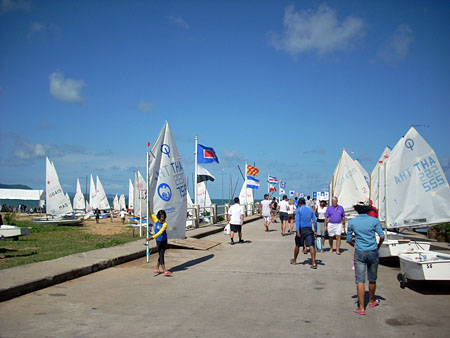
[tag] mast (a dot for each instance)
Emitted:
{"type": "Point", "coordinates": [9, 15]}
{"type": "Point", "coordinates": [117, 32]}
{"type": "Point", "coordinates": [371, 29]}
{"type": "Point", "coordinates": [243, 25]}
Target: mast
{"type": "Point", "coordinates": [148, 202]}
{"type": "Point", "coordinates": [195, 170]}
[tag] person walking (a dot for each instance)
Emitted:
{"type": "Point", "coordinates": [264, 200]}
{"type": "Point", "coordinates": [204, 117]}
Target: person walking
{"type": "Point", "coordinates": [304, 220]}
{"type": "Point", "coordinates": [122, 216]}
{"type": "Point", "coordinates": [274, 210]}
{"type": "Point", "coordinates": [291, 215]}
{"type": "Point", "coordinates": [320, 213]}
{"type": "Point", "coordinates": [236, 220]}
{"type": "Point", "coordinates": [111, 216]}
{"type": "Point", "coordinates": [283, 207]}
{"type": "Point", "coordinates": [161, 240]}
{"type": "Point", "coordinates": [265, 211]}
{"type": "Point", "coordinates": [335, 224]}
{"type": "Point", "coordinates": [97, 215]}
{"type": "Point", "coordinates": [364, 228]}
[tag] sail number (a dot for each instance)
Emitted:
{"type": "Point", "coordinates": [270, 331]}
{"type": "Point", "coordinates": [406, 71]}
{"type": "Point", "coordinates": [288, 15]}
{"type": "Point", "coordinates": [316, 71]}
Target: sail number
{"type": "Point", "coordinates": [429, 266]}
{"type": "Point", "coordinates": [429, 173]}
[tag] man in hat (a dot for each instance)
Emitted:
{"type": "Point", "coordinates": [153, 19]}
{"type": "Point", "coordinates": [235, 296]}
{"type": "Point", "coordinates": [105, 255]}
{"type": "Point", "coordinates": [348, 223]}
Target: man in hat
{"type": "Point", "coordinates": [364, 228]}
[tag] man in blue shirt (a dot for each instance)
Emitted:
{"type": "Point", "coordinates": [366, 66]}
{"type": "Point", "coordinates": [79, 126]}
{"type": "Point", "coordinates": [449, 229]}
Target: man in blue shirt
{"type": "Point", "coordinates": [366, 252]}
{"type": "Point", "coordinates": [305, 234]}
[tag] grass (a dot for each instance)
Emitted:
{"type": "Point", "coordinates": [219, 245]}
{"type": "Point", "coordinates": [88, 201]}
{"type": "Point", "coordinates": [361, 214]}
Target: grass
{"type": "Point", "coordinates": [50, 241]}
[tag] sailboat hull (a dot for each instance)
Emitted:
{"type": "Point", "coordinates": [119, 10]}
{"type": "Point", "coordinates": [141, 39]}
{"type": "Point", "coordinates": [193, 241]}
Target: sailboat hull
{"type": "Point", "coordinates": [8, 231]}
{"type": "Point", "coordinates": [394, 247]}
{"type": "Point", "coordinates": [425, 265]}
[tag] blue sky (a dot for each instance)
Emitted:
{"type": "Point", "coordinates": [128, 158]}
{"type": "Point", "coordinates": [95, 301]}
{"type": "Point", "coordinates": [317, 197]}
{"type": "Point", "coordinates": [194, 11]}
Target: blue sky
{"type": "Point", "coordinates": [283, 84]}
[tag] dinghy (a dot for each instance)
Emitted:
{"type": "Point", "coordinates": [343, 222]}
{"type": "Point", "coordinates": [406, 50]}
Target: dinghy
{"type": "Point", "coordinates": [11, 231]}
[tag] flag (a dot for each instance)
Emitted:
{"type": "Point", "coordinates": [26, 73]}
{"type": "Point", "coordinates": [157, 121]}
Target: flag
{"type": "Point", "coordinates": [291, 193]}
{"type": "Point", "coordinates": [297, 194]}
{"type": "Point", "coordinates": [206, 154]}
{"type": "Point", "coordinates": [282, 192]}
{"type": "Point", "coordinates": [282, 184]}
{"type": "Point", "coordinates": [252, 171]}
{"type": "Point", "coordinates": [273, 180]}
{"type": "Point", "coordinates": [204, 175]}
{"type": "Point", "coordinates": [252, 182]}
{"type": "Point", "coordinates": [272, 189]}
{"type": "Point", "coordinates": [167, 183]}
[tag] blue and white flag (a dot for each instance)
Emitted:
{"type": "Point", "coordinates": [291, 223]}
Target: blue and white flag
{"type": "Point", "coordinates": [282, 184]}
{"type": "Point", "coordinates": [206, 154]}
{"type": "Point", "coordinates": [291, 193]}
{"type": "Point", "coordinates": [252, 182]}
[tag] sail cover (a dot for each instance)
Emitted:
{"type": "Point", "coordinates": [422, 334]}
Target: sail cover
{"type": "Point", "coordinates": [417, 190]}
{"type": "Point", "coordinates": [167, 182]}
{"type": "Point", "coordinates": [349, 184]}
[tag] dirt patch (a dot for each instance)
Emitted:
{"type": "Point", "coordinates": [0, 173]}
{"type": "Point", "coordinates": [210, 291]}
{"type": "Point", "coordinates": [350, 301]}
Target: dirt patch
{"type": "Point", "coordinates": [105, 227]}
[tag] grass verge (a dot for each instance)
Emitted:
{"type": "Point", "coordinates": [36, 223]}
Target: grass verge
{"type": "Point", "coordinates": [48, 242]}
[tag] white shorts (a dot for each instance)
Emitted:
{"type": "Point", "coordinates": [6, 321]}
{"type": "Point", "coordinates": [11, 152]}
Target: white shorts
{"type": "Point", "coordinates": [334, 229]}
{"type": "Point", "coordinates": [267, 218]}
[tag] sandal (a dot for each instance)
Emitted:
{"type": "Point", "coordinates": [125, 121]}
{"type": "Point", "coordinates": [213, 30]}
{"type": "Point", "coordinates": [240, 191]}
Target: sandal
{"type": "Point", "coordinates": [157, 271]}
{"type": "Point", "coordinates": [293, 262]}
{"type": "Point", "coordinates": [375, 303]}
{"type": "Point", "coordinates": [314, 266]}
{"type": "Point", "coordinates": [362, 313]}
{"type": "Point", "coordinates": [167, 273]}
{"type": "Point", "coordinates": [338, 253]}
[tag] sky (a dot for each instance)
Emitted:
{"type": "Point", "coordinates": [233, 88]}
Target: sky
{"type": "Point", "coordinates": [284, 85]}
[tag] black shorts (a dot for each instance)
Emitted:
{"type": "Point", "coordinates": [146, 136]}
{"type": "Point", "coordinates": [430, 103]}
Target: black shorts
{"type": "Point", "coordinates": [306, 239]}
{"type": "Point", "coordinates": [235, 228]}
{"type": "Point", "coordinates": [283, 216]}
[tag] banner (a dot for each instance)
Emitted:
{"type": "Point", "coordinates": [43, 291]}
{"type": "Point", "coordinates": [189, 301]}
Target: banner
{"type": "Point", "coordinates": [167, 183]}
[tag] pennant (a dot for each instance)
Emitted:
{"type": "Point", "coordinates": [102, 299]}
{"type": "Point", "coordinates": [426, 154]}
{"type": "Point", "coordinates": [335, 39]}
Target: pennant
{"type": "Point", "coordinates": [204, 175]}
{"type": "Point", "coordinates": [206, 154]}
{"type": "Point", "coordinates": [252, 182]}
{"type": "Point", "coordinates": [252, 171]}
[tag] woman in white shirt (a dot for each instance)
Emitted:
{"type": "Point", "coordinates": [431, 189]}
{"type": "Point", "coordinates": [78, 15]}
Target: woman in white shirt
{"type": "Point", "coordinates": [291, 215]}
{"type": "Point", "coordinates": [320, 213]}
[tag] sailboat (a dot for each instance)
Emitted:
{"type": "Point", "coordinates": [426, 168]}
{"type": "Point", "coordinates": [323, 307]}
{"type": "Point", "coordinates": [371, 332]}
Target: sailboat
{"type": "Point", "coordinates": [203, 200]}
{"type": "Point", "coordinates": [92, 193]}
{"type": "Point", "coordinates": [417, 194]}
{"type": "Point", "coordinates": [78, 199]}
{"type": "Point", "coordinates": [59, 209]}
{"type": "Point", "coordinates": [246, 197]}
{"type": "Point", "coordinates": [100, 197]}
{"type": "Point", "coordinates": [349, 183]}
{"type": "Point", "coordinates": [122, 205]}
{"type": "Point", "coordinates": [377, 191]}
{"type": "Point", "coordinates": [116, 206]}
{"type": "Point", "coordinates": [130, 195]}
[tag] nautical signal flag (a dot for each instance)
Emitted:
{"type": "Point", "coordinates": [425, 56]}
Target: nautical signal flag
{"type": "Point", "coordinates": [252, 171]}
{"type": "Point", "coordinates": [272, 180]}
{"type": "Point", "coordinates": [204, 175]}
{"type": "Point", "coordinates": [252, 182]}
{"type": "Point", "coordinates": [272, 189]}
{"type": "Point", "coordinates": [282, 184]}
{"type": "Point", "coordinates": [206, 154]}
{"type": "Point", "coordinates": [282, 191]}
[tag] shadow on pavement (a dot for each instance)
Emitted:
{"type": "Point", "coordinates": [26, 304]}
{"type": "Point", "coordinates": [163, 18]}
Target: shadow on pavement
{"type": "Point", "coordinates": [309, 262]}
{"type": "Point", "coordinates": [429, 287]}
{"type": "Point", "coordinates": [366, 298]}
{"type": "Point", "coordinates": [188, 264]}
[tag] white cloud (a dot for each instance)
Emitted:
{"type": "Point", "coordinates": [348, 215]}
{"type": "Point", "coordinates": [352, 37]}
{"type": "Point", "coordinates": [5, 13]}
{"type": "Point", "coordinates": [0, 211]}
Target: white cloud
{"type": "Point", "coordinates": [146, 107]}
{"type": "Point", "coordinates": [178, 21]}
{"type": "Point", "coordinates": [320, 31]}
{"type": "Point", "coordinates": [14, 5]}
{"type": "Point", "coordinates": [66, 90]}
{"type": "Point", "coordinates": [43, 30]}
{"type": "Point", "coordinates": [397, 48]}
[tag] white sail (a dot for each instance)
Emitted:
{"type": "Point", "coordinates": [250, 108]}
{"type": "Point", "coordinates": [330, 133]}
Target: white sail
{"type": "Point", "coordinates": [246, 196]}
{"type": "Point", "coordinates": [88, 207]}
{"type": "Point", "coordinates": [203, 198]}
{"type": "Point", "coordinates": [116, 203]}
{"type": "Point", "coordinates": [140, 195]}
{"type": "Point", "coordinates": [92, 195]}
{"type": "Point", "coordinates": [122, 205]}
{"type": "Point", "coordinates": [57, 202]}
{"type": "Point", "coordinates": [100, 197]}
{"type": "Point", "coordinates": [68, 200]}
{"type": "Point", "coordinates": [167, 183]}
{"type": "Point", "coordinates": [78, 199]}
{"type": "Point", "coordinates": [189, 203]}
{"type": "Point", "coordinates": [130, 195]}
{"type": "Point", "coordinates": [417, 191]}
{"type": "Point", "coordinates": [377, 189]}
{"type": "Point", "coordinates": [349, 184]}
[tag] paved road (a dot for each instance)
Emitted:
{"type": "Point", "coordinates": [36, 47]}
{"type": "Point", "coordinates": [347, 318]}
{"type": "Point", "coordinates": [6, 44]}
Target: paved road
{"type": "Point", "coordinates": [245, 290]}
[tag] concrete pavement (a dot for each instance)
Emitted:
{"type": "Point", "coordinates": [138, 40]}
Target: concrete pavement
{"type": "Point", "coordinates": [245, 290]}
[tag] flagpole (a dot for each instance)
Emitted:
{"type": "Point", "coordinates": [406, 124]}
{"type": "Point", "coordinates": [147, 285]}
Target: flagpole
{"type": "Point", "coordinates": [195, 170]}
{"type": "Point", "coordinates": [245, 185]}
{"type": "Point", "coordinates": [148, 203]}
{"type": "Point", "coordinates": [268, 184]}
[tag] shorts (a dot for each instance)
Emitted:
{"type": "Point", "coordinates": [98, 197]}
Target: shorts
{"type": "Point", "coordinates": [283, 216]}
{"type": "Point", "coordinates": [321, 228]}
{"type": "Point", "coordinates": [267, 218]}
{"type": "Point", "coordinates": [366, 260]}
{"type": "Point", "coordinates": [307, 237]}
{"type": "Point", "coordinates": [334, 229]}
{"type": "Point", "coordinates": [291, 217]}
{"type": "Point", "coordinates": [235, 228]}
